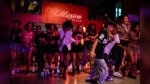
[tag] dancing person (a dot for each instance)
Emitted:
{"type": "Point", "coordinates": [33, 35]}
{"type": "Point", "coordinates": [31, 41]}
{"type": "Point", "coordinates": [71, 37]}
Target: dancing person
{"type": "Point", "coordinates": [77, 49]}
{"type": "Point", "coordinates": [132, 50]}
{"type": "Point", "coordinates": [40, 38]}
{"type": "Point", "coordinates": [98, 52]}
{"type": "Point", "coordinates": [107, 50]}
{"type": "Point", "coordinates": [27, 41]}
{"type": "Point", "coordinates": [65, 40]}
{"type": "Point", "coordinates": [15, 45]}
{"type": "Point", "coordinates": [52, 46]}
{"type": "Point", "coordinates": [123, 31]}
{"type": "Point", "coordinates": [90, 35]}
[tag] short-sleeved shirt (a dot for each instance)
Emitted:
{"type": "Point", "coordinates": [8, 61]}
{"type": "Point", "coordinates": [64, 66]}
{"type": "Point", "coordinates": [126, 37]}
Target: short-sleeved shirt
{"type": "Point", "coordinates": [102, 42]}
{"type": "Point", "coordinates": [67, 39]}
{"type": "Point", "coordinates": [14, 37]}
{"type": "Point", "coordinates": [110, 45]}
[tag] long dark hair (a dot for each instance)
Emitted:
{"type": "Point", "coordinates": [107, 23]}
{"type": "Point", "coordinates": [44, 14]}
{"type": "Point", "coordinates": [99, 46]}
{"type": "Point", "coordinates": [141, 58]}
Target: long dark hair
{"type": "Point", "coordinates": [17, 21]}
{"type": "Point", "coordinates": [89, 28]}
{"type": "Point", "coordinates": [52, 24]}
{"type": "Point", "coordinates": [67, 23]}
{"type": "Point", "coordinates": [26, 25]}
{"type": "Point", "coordinates": [134, 25]}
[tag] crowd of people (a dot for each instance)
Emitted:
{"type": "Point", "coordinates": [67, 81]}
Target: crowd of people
{"type": "Point", "coordinates": [114, 48]}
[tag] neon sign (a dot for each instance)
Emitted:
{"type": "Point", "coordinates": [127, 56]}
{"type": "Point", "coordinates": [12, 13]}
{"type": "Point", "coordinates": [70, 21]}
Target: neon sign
{"type": "Point", "coordinates": [55, 12]}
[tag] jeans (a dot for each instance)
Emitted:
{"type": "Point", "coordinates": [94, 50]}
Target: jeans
{"type": "Point", "coordinates": [99, 64]}
{"type": "Point", "coordinates": [108, 62]}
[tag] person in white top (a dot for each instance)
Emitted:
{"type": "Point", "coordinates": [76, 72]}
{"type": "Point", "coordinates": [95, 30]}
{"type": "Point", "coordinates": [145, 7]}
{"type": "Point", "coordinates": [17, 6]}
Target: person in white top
{"type": "Point", "coordinates": [107, 50]}
{"type": "Point", "coordinates": [65, 40]}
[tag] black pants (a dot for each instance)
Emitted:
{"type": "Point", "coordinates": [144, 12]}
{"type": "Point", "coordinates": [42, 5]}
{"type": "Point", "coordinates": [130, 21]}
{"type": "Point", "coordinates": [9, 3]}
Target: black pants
{"type": "Point", "coordinates": [120, 52]}
{"type": "Point", "coordinates": [108, 62]}
{"type": "Point", "coordinates": [119, 60]}
{"type": "Point", "coordinates": [40, 56]}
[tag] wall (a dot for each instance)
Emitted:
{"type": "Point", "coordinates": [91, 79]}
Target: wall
{"type": "Point", "coordinates": [131, 7]}
{"type": "Point", "coordinates": [58, 13]}
{"type": "Point", "coordinates": [133, 17]}
{"type": "Point", "coordinates": [78, 15]}
{"type": "Point", "coordinates": [25, 18]}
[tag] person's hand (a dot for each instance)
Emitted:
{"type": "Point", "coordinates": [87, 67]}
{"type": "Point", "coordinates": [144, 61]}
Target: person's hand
{"type": "Point", "coordinates": [92, 37]}
{"type": "Point", "coordinates": [92, 54]}
{"type": "Point", "coordinates": [127, 39]}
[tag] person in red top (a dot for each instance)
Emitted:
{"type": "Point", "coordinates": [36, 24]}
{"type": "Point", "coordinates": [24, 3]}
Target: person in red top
{"type": "Point", "coordinates": [27, 43]}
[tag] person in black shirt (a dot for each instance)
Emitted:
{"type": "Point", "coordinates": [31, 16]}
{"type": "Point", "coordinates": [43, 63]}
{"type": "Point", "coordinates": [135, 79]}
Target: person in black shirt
{"type": "Point", "coordinates": [98, 52]}
{"type": "Point", "coordinates": [77, 49]}
{"type": "Point", "coordinates": [52, 46]}
{"type": "Point", "coordinates": [40, 47]}
{"type": "Point", "coordinates": [15, 45]}
{"type": "Point", "coordinates": [89, 35]}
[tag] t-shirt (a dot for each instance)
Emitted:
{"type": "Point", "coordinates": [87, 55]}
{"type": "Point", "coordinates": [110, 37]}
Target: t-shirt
{"type": "Point", "coordinates": [14, 37]}
{"type": "Point", "coordinates": [102, 42]}
{"type": "Point", "coordinates": [37, 36]}
{"type": "Point", "coordinates": [110, 45]}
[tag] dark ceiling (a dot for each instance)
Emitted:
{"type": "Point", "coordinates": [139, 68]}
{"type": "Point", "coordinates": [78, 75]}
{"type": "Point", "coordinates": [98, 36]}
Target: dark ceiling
{"type": "Point", "coordinates": [94, 3]}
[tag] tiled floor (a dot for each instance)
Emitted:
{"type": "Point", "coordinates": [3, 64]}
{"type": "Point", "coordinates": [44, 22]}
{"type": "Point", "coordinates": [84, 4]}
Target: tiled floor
{"type": "Point", "coordinates": [33, 78]}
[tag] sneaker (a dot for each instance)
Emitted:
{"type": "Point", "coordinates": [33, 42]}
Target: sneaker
{"type": "Point", "coordinates": [109, 78]}
{"type": "Point", "coordinates": [17, 70]}
{"type": "Point", "coordinates": [98, 82]}
{"type": "Point", "coordinates": [137, 72]}
{"type": "Point", "coordinates": [12, 71]}
{"type": "Point", "coordinates": [131, 76]}
{"type": "Point", "coordinates": [117, 74]}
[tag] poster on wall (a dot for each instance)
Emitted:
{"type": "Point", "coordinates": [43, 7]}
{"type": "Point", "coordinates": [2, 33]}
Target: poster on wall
{"type": "Point", "coordinates": [54, 12]}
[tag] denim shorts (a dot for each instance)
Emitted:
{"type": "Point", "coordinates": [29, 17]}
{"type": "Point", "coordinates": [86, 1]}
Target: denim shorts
{"type": "Point", "coordinates": [26, 49]}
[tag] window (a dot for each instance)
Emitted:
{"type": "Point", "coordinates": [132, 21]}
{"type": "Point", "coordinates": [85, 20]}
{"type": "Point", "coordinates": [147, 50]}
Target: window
{"type": "Point", "coordinates": [118, 9]}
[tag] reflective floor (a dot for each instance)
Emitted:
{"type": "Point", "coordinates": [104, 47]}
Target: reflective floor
{"type": "Point", "coordinates": [33, 78]}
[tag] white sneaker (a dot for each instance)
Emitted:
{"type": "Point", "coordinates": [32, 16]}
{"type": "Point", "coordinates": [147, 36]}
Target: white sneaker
{"type": "Point", "coordinates": [13, 71]}
{"type": "Point", "coordinates": [17, 70]}
{"type": "Point", "coordinates": [117, 74]}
